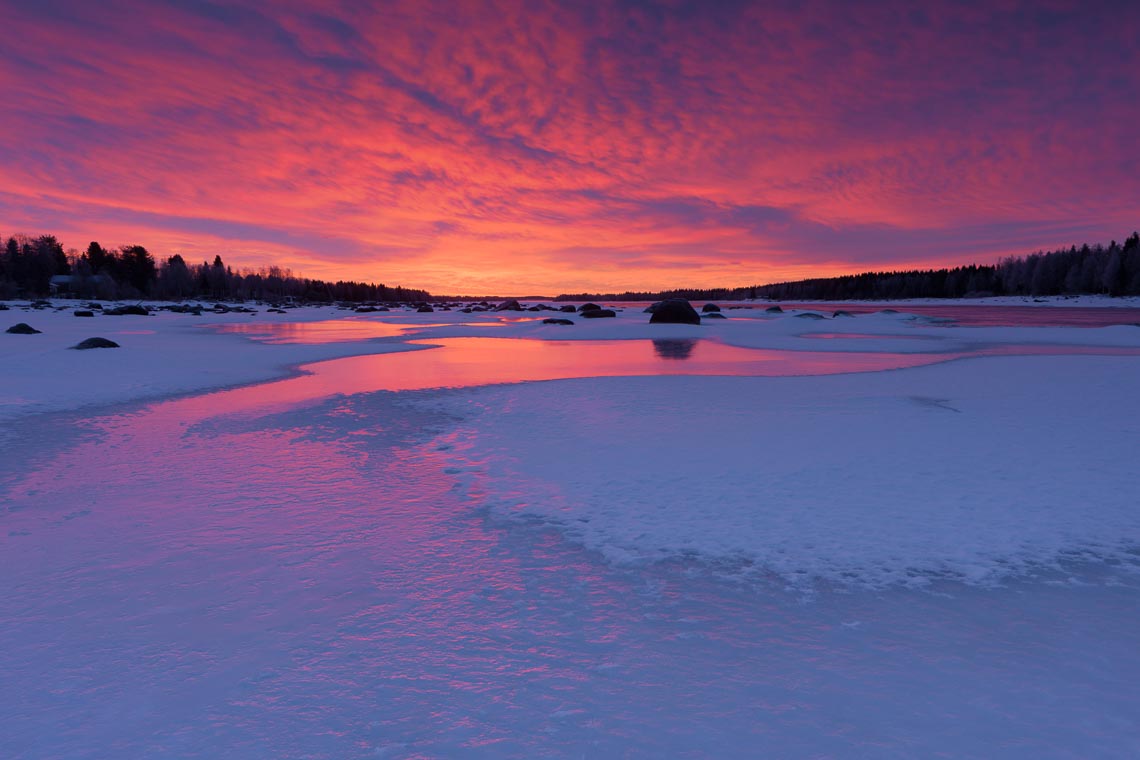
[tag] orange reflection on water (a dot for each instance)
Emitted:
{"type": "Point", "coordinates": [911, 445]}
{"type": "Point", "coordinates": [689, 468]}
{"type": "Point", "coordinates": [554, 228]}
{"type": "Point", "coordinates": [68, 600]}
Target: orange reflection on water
{"type": "Point", "coordinates": [331, 330]}
{"type": "Point", "coordinates": [466, 362]}
{"type": "Point", "coordinates": [469, 362]}
{"type": "Point", "coordinates": [326, 331]}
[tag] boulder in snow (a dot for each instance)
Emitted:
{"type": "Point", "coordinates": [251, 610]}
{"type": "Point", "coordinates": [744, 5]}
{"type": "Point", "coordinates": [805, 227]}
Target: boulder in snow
{"type": "Point", "coordinates": [675, 311]}
{"type": "Point", "coordinates": [95, 343]}
{"type": "Point", "coordinates": [135, 309]}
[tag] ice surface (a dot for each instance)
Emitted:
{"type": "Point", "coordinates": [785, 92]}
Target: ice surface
{"type": "Point", "coordinates": [170, 353]}
{"type": "Point", "coordinates": [973, 470]}
{"type": "Point", "coordinates": [933, 561]}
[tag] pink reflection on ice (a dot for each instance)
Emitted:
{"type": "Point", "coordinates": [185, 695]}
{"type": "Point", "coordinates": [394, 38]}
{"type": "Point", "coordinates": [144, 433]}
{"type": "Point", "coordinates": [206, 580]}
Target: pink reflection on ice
{"type": "Point", "coordinates": [331, 330]}
{"type": "Point", "coordinates": [467, 362]}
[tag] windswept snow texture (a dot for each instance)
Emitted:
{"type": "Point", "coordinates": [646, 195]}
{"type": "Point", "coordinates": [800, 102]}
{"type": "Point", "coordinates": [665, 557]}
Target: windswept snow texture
{"type": "Point", "coordinates": [973, 470]}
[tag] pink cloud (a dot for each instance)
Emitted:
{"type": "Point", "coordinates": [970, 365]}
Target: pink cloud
{"type": "Point", "coordinates": [509, 147]}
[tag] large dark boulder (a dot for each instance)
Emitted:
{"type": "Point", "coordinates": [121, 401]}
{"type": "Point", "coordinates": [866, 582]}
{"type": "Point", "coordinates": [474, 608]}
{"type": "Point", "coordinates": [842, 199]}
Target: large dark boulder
{"type": "Point", "coordinates": [810, 315]}
{"type": "Point", "coordinates": [511, 305]}
{"type": "Point", "coordinates": [651, 308]}
{"type": "Point", "coordinates": [84, 313]}
{"type": "Point", "coordinates": [134, 309]}
{"type": "Point", "coordinates": [710, 308]}
{"type": "Point", "coordinates": [569, 308]}
{"type": "Point", "coordinates": [557, 321]}
{"type": "Point", "coordinates": [597, 313]}
{"type": "Point", "coordinates": [95, 343]}
{"type": "Point", "coordinates": [22, 328]}
{"type": "Point", "coordinates": [425, 309]}
{"type": "Point", "coordinates": [588, 307]}
{"type": "Point", "coordinates": [675, 311]}
{"type": "Point", "coordinates": [774, 310]}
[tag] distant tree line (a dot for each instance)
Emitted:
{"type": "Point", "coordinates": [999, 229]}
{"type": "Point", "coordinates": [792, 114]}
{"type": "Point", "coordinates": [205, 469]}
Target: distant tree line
{"type": "Point", "coordinates": [39, 267]}
{"type": "Point", "coordinates": [1113, 270]}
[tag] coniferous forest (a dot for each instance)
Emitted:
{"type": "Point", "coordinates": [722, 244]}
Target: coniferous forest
{"type": "Point", "coordinates": [38, 267]}
{"type": "Point", "coordinates": [1112, 270]}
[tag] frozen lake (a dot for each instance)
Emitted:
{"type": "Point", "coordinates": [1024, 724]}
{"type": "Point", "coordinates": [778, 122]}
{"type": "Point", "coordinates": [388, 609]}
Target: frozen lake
{"type": "Point", "coordinates": [416, 554]}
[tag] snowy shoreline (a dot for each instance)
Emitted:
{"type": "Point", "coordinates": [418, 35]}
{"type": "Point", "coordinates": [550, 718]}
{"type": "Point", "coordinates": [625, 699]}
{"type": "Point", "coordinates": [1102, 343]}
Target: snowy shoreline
{"type": "Point", "coordinates": [166, 354]}
{"type": "Point", "coordinates": [863, 477]}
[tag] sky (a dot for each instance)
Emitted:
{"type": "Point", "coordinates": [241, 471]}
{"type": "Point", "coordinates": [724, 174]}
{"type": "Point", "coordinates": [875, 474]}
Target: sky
{"type": "Point", "coordinates": [544, 147]}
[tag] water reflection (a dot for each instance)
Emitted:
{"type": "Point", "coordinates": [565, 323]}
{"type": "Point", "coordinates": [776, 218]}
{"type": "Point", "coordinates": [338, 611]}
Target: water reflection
{"type": "Point", "coordinates": [332, 330]}
{"type": "Point", "coordinates": [469, 362]}
{"type": "Point", "coordinates": [674, 349]}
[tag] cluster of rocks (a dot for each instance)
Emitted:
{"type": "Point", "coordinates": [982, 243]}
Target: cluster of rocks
{"type": "Point", "coordinates": [23, 328]}
{"type": "Point", "coordinates": [668, 311]}
{"type": "Point", "coordinates": [92, 308]}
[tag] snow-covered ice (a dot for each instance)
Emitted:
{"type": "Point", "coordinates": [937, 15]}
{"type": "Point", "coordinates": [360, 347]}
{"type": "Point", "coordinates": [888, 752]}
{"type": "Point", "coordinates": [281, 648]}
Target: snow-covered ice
{"type": "Point", "coordinates": [361, 536]}
{"type": "Point", "coordinates": [974, 470]}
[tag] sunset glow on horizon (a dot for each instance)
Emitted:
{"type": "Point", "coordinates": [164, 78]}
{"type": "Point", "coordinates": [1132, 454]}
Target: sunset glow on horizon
{"type": "Point", "coordinates": [539, 148]}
